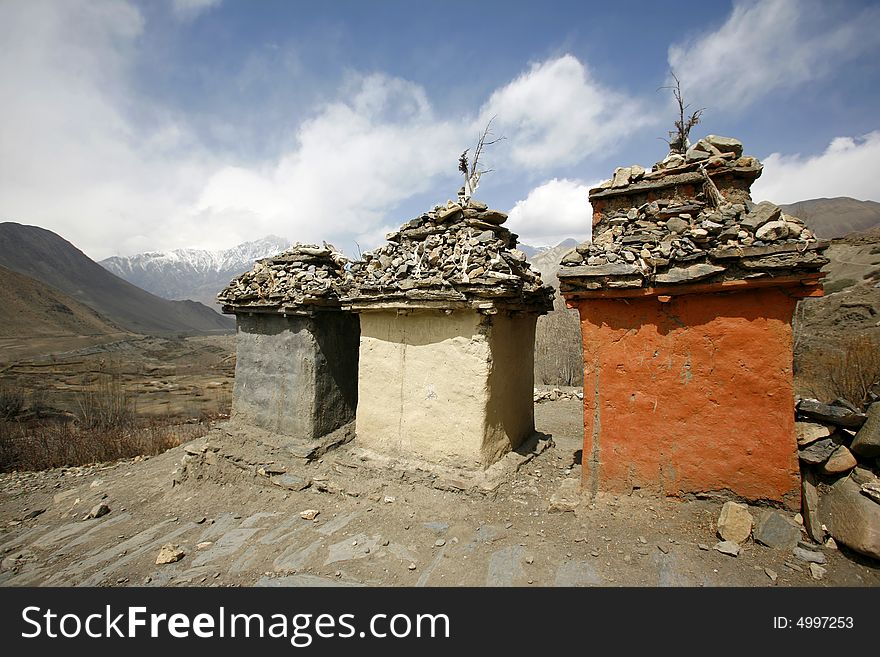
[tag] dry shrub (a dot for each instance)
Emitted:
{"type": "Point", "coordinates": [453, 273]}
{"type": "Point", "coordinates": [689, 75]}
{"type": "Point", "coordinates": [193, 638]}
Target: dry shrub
{"type": "Point", "coordinates": [106, 428]}
{"type": "Point", "coordinates": [847, 370]}
{"type": "Point", "coordinates": [559, 357]}
{"type": "Point", "coordinates": [11, 401]}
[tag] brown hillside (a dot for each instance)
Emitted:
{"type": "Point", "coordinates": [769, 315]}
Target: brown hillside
{"type": "Point", "coordinates": [836, 217]}
{"type": "Point", "coordinates": [31, 308]}
{"type": "Point", "coordinates": [47, 257]}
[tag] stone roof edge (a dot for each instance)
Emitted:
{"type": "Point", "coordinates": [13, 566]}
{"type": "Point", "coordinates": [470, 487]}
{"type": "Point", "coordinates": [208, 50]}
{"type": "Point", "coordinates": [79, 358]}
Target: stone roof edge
{"type": "Point", "coordinates": [810, 282]}
{"type": "Point", "coordinates": [673, 179]}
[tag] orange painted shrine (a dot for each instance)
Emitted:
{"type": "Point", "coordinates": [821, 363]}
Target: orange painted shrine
{"type": "Point", "coordinates": [691, 392]}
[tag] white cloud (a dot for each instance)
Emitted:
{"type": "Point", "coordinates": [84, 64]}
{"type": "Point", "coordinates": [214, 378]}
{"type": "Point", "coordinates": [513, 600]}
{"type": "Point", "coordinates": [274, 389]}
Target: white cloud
{"type": "Point", "coordinates": [352, 163]}
{"type": "Point", "coordinates": [72, 162]}
{"type": "Point", "coordinates": [556, 114]}
{"type": "Point", "coordinates": [770, 45]}
{"type": "Point", "coordinates": [189, 9]}
{"type": "Point", "coordinates": [77, 161]}
{"type": "Point", "coordinates": [848, 167]}
{"type": "Point", "coordinates": [552, 212]}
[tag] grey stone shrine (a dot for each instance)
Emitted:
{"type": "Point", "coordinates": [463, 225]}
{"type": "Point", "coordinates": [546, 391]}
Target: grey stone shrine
{"type": "Point", "coordinates": [296, 349]}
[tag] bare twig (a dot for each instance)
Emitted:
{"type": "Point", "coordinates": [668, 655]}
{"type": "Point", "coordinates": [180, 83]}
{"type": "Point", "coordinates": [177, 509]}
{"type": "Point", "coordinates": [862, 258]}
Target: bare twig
{"type": "Point", "coordinates": [471, 170]}
{"type": "Point", "coordinates": [678, 141]}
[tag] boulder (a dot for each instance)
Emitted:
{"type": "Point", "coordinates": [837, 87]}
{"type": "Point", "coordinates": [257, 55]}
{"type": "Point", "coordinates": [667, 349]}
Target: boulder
{"type": "Point", "coordinates": [867, 440]}
{"type": "Point", "coordinates": [840, 461]}
{"type": "Point", "coordinates": [836, 415]}
{"type": "Point", "coordinates": [776, 531]}
{"type": "Point", "coordinates": [851, 517]}
{"type": "Point", "coordinates": [735, 522]}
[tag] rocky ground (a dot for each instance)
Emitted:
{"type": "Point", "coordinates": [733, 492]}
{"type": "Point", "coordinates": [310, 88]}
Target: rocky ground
{"type": "Point", "coordinates": [229, 514]}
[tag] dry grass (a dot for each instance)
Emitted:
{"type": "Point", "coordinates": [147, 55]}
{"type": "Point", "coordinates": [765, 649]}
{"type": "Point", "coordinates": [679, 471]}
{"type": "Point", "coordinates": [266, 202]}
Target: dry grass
{"type": "Point", "coordinates": [105, 427]}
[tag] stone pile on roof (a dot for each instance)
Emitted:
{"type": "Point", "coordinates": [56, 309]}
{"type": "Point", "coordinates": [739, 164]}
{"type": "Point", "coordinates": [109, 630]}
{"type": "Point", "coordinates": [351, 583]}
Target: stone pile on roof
{"type": "Point", "coordinates": [456, 254]}
{"type": "Point", "coordinates": [303, 278]}
{"type": "Point", "coordinates": [689, 219]}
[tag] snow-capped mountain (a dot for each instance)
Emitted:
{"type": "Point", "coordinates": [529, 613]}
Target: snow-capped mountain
{"type": "Point", "coordinates": [192, 273]}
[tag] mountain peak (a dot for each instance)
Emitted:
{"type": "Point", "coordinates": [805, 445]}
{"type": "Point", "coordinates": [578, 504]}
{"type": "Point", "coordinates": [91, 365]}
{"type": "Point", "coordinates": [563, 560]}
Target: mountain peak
{"type": "Point", "coordinates": [197, 274]}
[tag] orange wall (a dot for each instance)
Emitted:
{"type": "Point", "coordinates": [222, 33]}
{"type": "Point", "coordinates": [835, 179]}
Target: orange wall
{"type": "Point", "coordinates": [693, 395]}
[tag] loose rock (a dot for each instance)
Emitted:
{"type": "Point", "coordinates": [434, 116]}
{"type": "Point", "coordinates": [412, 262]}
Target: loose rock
{"type": "Point", "coordinates": [776, 531]}
{"type": "Point", "coordinates": [169, 553]}
{"type": "Point", "coordinates": [735, 522]}
{"type": "Point", "coordinates": [727, 547]}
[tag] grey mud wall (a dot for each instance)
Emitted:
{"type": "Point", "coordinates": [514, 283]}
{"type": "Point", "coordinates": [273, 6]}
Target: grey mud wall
{"type": "Point", "coordinates": [296, 375]}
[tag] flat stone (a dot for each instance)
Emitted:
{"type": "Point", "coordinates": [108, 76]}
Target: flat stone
{"type": "Point", "coordinates": [852, 518]}
{"type": "Point", "coordinates": [771, 574]}
{"type": "Point", "coordinates": [577, 573]}
{"type": "Point", "coordinates": [809, 432]}
{"type": "Point", "coordinates": [836, 415]}
{"type": "Point", "coordinates": [452, 213]}
{"type": "Point", "coordinates": [871, 489]}
{"type": "Point", "coordinates": [309, 514]}
{"type": "Point", "coordinates": [677, 225]}
{"type": "Point", "coordinates": [776, 531]}
{"type": "Point", "coordinates": [685, 274]}
{"type": "Point", "coordinates": [735, 522]}
{"type": "Point", "coordinates": [586, 271]}
{"type": "Point", "coordinates": [725, 144]}
{"type": "Point", "coordinates": [291, 482]}
{"type": "Point", "coordinates": [229, 543]}
{"type": "Point", "coordinates": [867, 440]}
{"type": "Point", "coordinates": [762, 213]}
{"type": "Point", "coordinates": [302, 581]}
{"type": "Point", "coordinates": [810, 556]}
{"type": "Point", "coordinates": [694, 154]}
{"type": "Point", "coordinates": [840, 461]}
{"type": "Point", "coordinates": [810, 506]}
{"type": "Point", "coordinates": [727, 547]}
{"type": "Point", "coordinates": [819, 451]}
{"type": "Point", "coordinates": [817, 571]}
{"type": "Point", "coordinates": [493, 217]}
{"type": "Point", "coordinates": [356, 547]}
{"type": "Point", "coordinates": [169, 553]}
{"type": "Point", "coordinates": [567, 497]}
{"type": "Point", "coordinates": [505, 567]}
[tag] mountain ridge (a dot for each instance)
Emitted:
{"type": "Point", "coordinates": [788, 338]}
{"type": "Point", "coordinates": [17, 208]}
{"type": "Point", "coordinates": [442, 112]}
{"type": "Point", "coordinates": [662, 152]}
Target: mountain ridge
{"type": "Point", "coordinates": [196, 274]}
{"type": "Point", "coordinates": [52, 260]}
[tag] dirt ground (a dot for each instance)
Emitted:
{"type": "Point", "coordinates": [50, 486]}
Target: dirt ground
{"type": "Point", "coordinates": [218, 499]}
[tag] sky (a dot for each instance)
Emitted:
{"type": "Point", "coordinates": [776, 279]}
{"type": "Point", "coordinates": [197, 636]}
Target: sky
{"type": "Point", "coordinates": [129, 126]}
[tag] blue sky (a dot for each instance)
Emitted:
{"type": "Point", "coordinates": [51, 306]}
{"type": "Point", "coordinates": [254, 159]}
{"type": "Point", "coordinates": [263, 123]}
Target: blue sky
{"type": "Point", "coordinates": [129, 126]}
